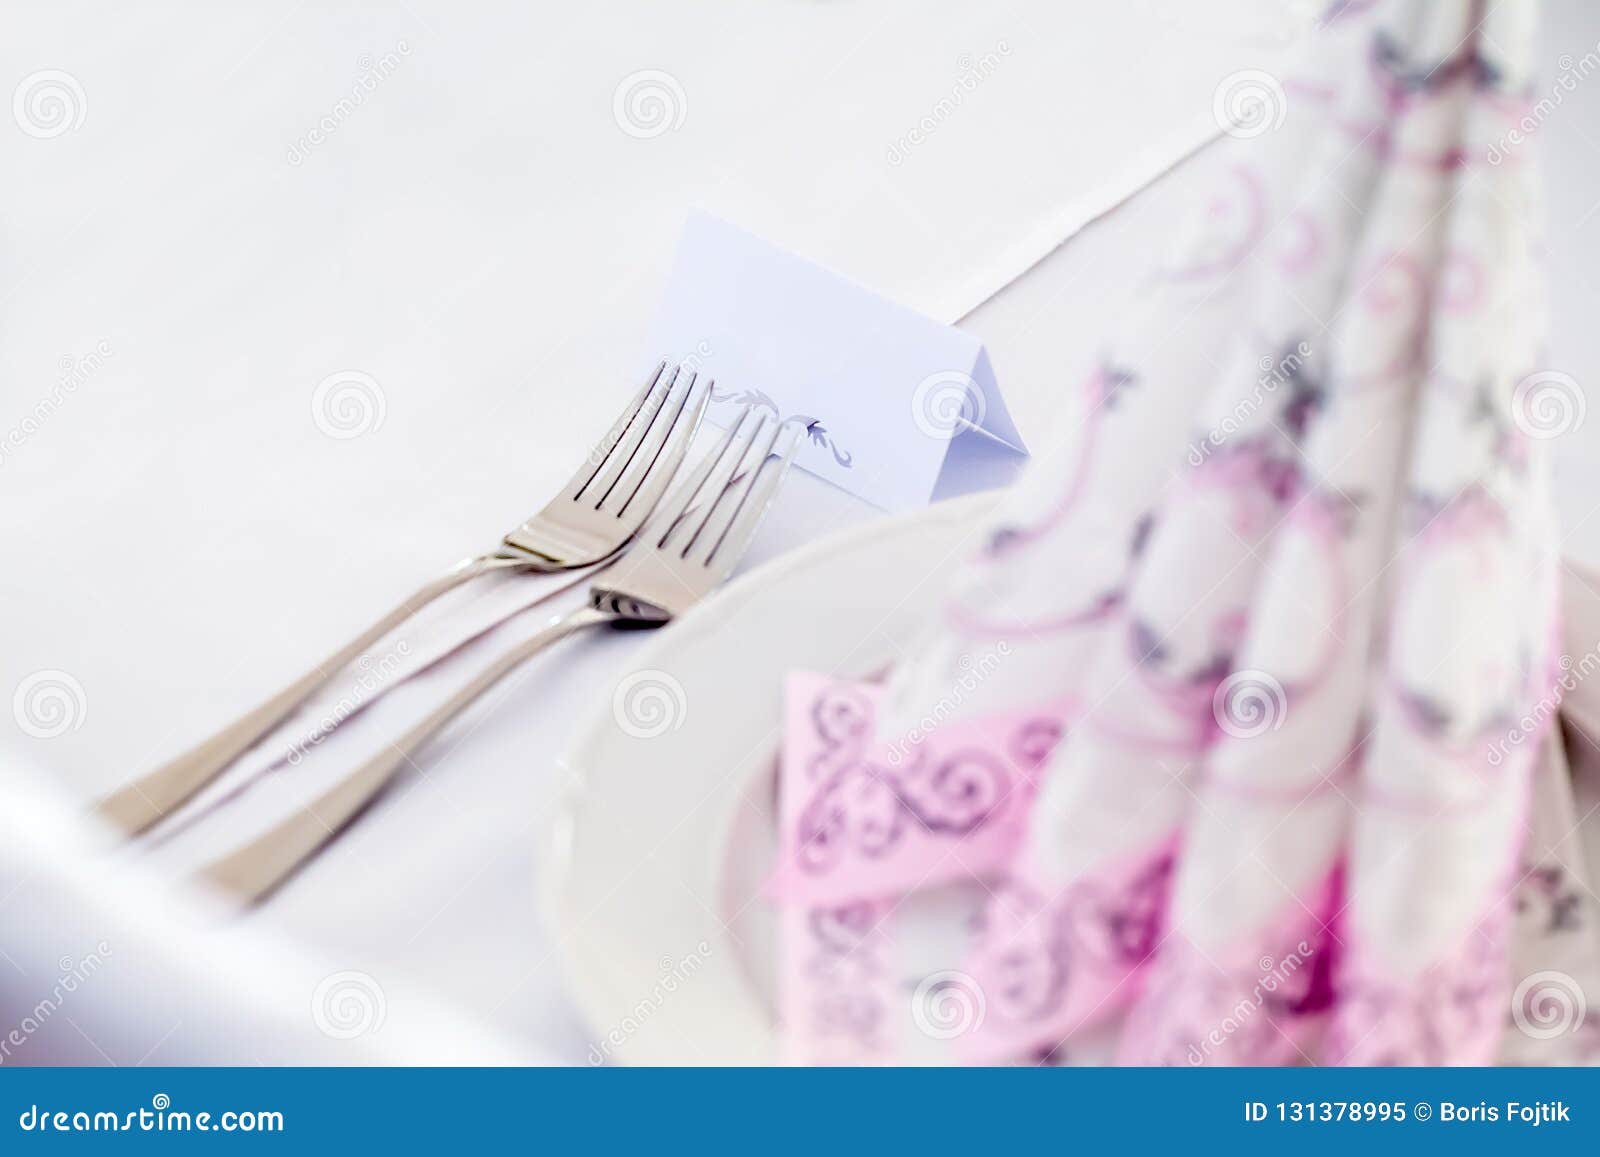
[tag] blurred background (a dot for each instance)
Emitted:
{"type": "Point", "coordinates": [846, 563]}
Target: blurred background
{"type": "Point", "coordinates": [457, 217]}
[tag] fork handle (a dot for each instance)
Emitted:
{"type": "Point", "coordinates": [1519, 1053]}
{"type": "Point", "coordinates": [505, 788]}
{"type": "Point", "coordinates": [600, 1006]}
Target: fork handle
{"type": "Point", "coordinates": [258, 867]}
{"type": "Point", "coordinates": [137, 805]}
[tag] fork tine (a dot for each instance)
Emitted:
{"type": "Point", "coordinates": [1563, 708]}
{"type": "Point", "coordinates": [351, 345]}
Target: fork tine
{"type": "Point", "coordinates": [635, 420]}
{"type": "Point", "coordinates": [723, 501]}
{"type": "Point", "coordinates": [668, 455]}
{"type": "Point", "coordinates": [637, 467]}
{"type": "Point", "coordinates": [691, 503]}
{"type": "Point", "coordinates": [765, 473]}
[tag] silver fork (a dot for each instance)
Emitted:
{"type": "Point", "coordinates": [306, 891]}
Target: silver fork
{"type": "Point", "coordinates": [679, 559]}
{"type": "Point", "coordinates": [596, 514]}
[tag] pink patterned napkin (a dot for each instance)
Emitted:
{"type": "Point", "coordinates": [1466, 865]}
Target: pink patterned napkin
{"type": "Point", "coordinates": [1293, 559]}
{"type": "Point", "coordinates": [864, 817]}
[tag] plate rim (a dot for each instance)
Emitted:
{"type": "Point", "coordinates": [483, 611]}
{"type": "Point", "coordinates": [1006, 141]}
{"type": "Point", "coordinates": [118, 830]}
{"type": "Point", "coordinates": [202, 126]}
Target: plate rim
{"type": "Point", "coordinates": [556, 854]}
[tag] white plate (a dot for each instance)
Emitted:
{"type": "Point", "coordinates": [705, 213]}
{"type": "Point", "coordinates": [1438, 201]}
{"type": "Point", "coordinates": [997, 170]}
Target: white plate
{"type": "Point", "coordinates": [654, 871]}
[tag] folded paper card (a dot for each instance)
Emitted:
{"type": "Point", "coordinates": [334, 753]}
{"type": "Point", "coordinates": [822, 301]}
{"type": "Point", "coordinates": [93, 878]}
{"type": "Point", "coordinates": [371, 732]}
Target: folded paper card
{"type": "Point", "coordinates": [900, 409]}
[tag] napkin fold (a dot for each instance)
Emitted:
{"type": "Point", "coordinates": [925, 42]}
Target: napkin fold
{"type": "Point", "coordinates": [861, 818]}
{"type": "Point", "coordinates": [1294, 554]}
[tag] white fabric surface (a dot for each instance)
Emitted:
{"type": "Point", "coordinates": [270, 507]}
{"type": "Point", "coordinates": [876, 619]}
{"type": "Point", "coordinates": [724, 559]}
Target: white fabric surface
{"type": "Point", "coordinates": [100, 967]}
{"type": "Point", "coordinates": [482, 239]}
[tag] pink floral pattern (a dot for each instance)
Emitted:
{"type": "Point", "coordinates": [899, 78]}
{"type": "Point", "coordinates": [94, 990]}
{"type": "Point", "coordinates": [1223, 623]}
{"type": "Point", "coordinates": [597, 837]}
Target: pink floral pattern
{"type": "Point", "coordinates": [862, 818]}
{"type": "Point", "coordinates": [1294, 557]}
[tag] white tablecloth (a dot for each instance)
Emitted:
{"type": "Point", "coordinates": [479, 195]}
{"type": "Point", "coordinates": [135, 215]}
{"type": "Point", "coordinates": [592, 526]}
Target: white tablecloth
{"type": "Point", "coordinates": [482, 234]}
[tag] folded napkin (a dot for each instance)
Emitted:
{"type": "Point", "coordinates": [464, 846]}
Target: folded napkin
{"type": "Point", "coordinates": [863, 817]}
{"type": "Point", "coordinates": [1293, 555]}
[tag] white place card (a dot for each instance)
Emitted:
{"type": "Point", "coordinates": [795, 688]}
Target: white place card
{"type": "Point", "coordinates": [899, 409]}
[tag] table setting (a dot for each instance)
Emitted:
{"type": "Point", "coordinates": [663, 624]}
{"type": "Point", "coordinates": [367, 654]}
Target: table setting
{"type": "Point", "coordinates": [1061, 536]}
